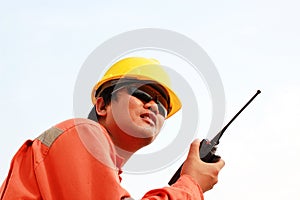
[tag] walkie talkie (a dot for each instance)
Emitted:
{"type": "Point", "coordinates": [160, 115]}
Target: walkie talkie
{"type": "Point", "coordinates": [208, 147]}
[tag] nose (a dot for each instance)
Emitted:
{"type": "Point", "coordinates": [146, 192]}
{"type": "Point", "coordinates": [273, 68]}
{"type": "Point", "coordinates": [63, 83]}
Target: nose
{"type": "Point", "coordinates": [152, 105]}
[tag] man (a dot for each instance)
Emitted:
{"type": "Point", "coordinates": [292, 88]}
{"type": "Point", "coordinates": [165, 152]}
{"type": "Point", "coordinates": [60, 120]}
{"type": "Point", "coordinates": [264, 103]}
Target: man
{"type": "Point", "coordinates": [82, 158]}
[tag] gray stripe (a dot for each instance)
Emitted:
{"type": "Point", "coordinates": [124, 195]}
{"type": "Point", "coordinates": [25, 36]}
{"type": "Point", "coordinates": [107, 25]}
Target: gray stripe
{"type": "Point", "coordinates": [49, 136]}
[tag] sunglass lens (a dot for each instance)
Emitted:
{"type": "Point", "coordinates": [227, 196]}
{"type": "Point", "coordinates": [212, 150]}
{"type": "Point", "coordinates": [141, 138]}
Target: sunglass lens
{"type": "Point", "coordinates": [146, 97]}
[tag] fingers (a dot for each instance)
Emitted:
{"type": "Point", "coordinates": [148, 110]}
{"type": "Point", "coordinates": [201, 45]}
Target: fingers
{"type": "Point", "coordinates": [194, 149]}
{"type": "Point", "coordinates": [220, 163]}
{"type": "Point", "coordinates": [205, 174]}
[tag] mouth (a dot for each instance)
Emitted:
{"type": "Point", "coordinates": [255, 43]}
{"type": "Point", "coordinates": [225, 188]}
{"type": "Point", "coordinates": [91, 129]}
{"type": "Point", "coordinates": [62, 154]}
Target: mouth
{"type": "Point", "coordinates": [149, 118]}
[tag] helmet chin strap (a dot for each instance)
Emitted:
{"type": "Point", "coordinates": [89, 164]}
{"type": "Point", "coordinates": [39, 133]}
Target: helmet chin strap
{"type": "Point", "coordinates": [93, 115]}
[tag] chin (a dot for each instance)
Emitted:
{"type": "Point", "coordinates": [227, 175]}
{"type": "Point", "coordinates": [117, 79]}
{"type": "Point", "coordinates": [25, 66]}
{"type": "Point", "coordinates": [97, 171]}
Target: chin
{"type": "Point", "coordinates": [147, 134]}
{"type": "Point", "coordinates": [145, 137]}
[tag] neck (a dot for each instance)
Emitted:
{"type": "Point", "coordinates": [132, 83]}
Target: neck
{"type": "Point", "coordinates": [124, 154]}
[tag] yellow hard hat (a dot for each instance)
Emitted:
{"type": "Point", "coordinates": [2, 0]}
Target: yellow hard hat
{"type": "Point", "coordinates": [143, 69]}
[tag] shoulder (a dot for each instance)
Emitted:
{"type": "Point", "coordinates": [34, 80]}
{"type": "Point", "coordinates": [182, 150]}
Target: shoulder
{"type": "Point", "coordinates": [75, 122]}
{"type": "Point", "coordinates": [76, 126]}
{"type": "Point", "coordinates": [80, 136]}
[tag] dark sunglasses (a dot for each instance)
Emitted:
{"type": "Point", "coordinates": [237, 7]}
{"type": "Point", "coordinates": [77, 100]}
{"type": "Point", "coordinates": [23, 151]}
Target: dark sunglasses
{"type": "Point", "coordinates": [146, 93]}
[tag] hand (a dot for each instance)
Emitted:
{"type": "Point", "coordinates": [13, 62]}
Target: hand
{"type": "Point", "coordinates": [205, 174]}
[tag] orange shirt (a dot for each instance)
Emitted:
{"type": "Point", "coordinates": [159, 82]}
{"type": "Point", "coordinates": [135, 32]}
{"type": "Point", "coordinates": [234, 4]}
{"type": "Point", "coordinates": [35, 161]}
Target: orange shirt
{"type": "Point", "coordinates": [77, 160]}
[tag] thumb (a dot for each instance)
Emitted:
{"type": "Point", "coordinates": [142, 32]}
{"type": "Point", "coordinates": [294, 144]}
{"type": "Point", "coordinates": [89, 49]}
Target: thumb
{"type": "Point", "coordinates": [194, 149]}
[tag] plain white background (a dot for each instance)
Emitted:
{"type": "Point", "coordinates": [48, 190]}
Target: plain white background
{"type": "Point", "coordinates": [254, 45]}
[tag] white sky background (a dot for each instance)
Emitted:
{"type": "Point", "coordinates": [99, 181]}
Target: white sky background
{"type": "Point", "coordinates": [254, 45]}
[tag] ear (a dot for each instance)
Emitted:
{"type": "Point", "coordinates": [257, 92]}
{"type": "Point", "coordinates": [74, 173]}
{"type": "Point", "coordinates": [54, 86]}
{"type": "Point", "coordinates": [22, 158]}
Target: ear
{"type": "Point", "coordinates": [100, 107]}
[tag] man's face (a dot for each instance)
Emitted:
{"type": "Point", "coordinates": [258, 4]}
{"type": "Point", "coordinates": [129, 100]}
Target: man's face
{"type": "Point", "coordinates": [136, 115]}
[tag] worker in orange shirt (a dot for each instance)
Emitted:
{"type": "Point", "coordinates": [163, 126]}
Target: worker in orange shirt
{"type": "Point", "coordinates": [83, 158]}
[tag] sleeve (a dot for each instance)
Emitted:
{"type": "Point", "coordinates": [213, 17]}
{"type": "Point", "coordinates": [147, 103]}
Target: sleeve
{"type": "Point", "coordinates": [184, 188]}
{"type": "Point", "coordinates": [21, 182]}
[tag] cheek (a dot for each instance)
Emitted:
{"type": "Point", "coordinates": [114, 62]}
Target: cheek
{"type": "Point", "coordinates": [125, 109]}
{"type": "Point", "coordinates": [133, 106]}
{"type": "Point", "coordinates": [160, 120]}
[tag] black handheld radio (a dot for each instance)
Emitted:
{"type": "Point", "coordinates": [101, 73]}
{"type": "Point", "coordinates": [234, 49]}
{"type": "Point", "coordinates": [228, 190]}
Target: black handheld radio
{"type": "Point", "coordinates": [208, 147]}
